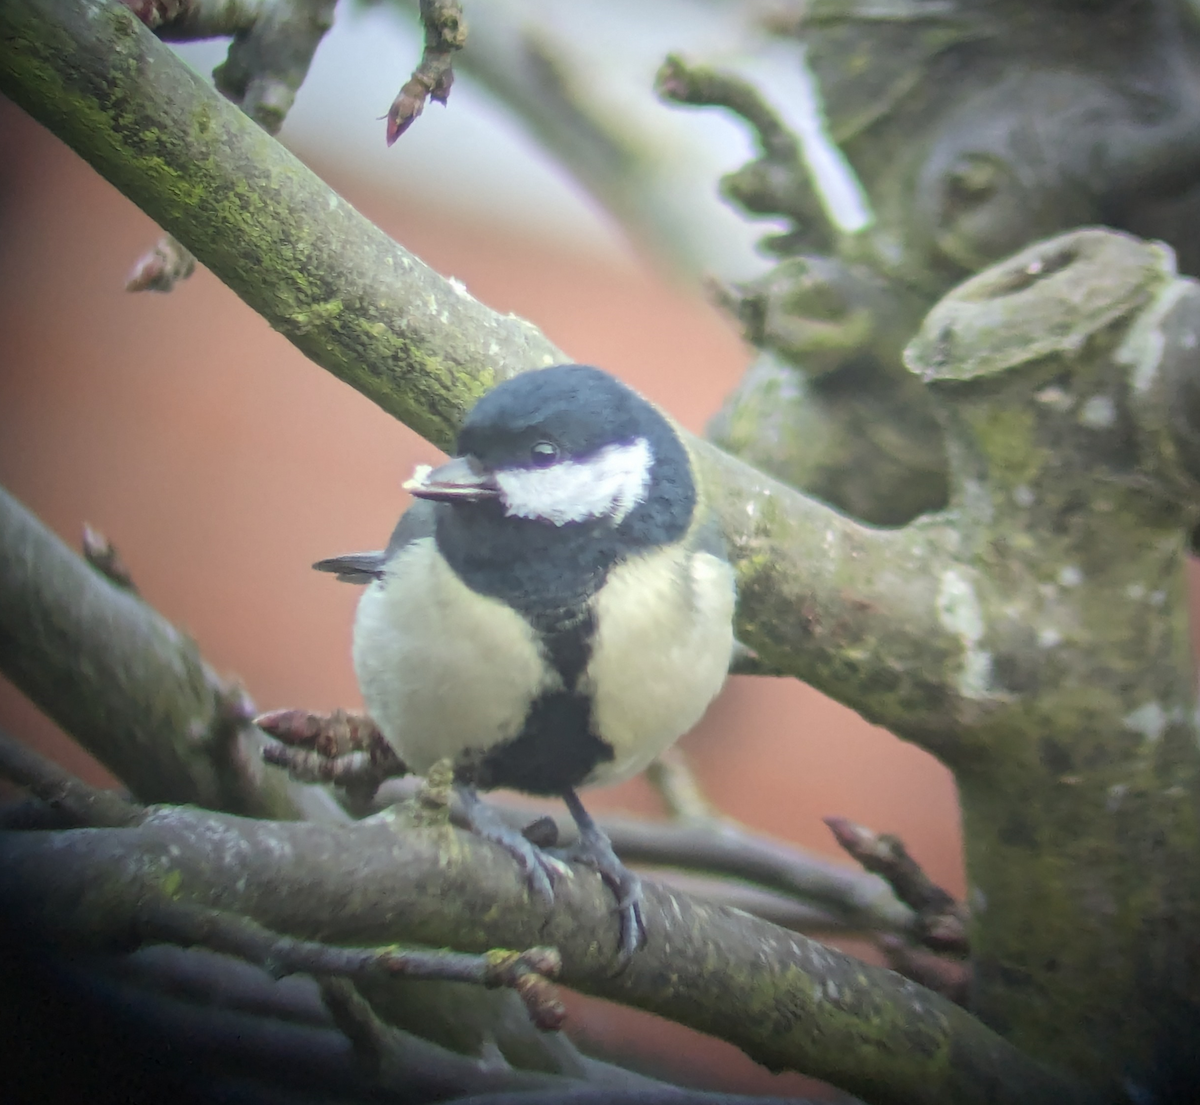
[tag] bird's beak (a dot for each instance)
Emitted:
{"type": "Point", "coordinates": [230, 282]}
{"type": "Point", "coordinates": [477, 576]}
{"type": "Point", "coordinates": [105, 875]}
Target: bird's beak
{"type": "Point", "coordinates": [460, 480]}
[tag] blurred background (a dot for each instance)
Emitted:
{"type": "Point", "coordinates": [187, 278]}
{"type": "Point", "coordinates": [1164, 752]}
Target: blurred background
{"type": "Point", "coordinates": [222, 464]}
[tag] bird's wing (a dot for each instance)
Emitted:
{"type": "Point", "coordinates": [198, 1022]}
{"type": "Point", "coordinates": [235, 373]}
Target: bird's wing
{"type": "Point", "coordinates": [366, 567]}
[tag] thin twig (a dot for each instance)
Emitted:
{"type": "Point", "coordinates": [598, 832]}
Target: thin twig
{"type": "Point", "coordinates": [677, 785]}
{"type": "Point", "coordinates": [374, 1042]}
{"type": "Point", "coordinates": [777, 181]}
{"type": "Point", "coordinates": [81, 804]}
{"type": "Point", "coordinates": [525, 972]}
{"type": "Point", "coordinates": [788, 913]}
{"type": "Point", "coordinates": [941, 921]}
{"type": "Point", "coordinates": [210, 1010]}
{"type": "Point", "coordinates": [700, 86]}
{"type": "Point", "coordinates": [343, 748]}
{"type": "Point", "coordinates": [445, 35]}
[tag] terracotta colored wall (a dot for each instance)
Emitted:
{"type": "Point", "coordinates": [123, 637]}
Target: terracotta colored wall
{"type": "Point", "coordinates": [223, 464]}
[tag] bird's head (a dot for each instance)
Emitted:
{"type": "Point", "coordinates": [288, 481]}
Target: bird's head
{"type": "Point", "coordinates": [567, 446]}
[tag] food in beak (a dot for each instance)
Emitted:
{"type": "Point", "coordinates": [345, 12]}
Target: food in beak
{"type": "Point", "coordinates": [462, 479]}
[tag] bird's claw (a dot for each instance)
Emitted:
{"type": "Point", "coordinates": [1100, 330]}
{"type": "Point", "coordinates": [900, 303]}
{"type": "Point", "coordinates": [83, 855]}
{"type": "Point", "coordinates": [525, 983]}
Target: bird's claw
{"type": "Point", "coordinates": [537, 866]}
{"type": "Point", "coordinates": [593, 849]}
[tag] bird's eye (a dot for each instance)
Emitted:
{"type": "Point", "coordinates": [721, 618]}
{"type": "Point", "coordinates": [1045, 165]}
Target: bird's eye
{"type": "Point", "coordinates": [543, 454]}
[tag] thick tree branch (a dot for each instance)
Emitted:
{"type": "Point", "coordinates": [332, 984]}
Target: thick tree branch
{"type": "Point", "coordinates": [349, 298]}
{"type": "Point", "coordinates": [273, 46]}
{"type": "Point", "coordinates": [127, 684]}
{"type": "Point", "coordinates": [848, 897]}
{"type": "Point", "coordinates": [788, 1002]}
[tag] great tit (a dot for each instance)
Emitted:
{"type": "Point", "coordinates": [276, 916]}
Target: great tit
{"type": "Point", "coordinates": [553, 612]}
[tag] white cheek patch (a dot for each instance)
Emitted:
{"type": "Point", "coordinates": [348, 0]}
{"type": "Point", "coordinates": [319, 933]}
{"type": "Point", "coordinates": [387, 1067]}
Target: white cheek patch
{"type": "Point", "coordinates": [610, 483]}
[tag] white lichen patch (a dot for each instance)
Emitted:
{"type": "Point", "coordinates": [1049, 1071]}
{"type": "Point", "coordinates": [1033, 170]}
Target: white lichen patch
{"type": "Point", "coordinates": [1136, 591]}
{"type": "Point", "coordinates": [960, 613]}
{"type": "Point", "coordinates": [460, 289]}
{"type": "Point", "coordinates": [1098, 413]}
{"type": "Point", "coordinates": [1156, 598]}
{"type": "Point", "coordinates": [1070, 576]}
{"type": "Point", "coordinates": [1149, 719]}
{"type": "Point", "coordinates": [1055, 398]}
{"type": "Point", "coordinates": [1049, 637]}
{"type": "Point", "coordinates": [977, 500]}
{"type": "Point", "coordinates": [1023, 496]}
{"type": "Point", "coordinates": [1142, 349]}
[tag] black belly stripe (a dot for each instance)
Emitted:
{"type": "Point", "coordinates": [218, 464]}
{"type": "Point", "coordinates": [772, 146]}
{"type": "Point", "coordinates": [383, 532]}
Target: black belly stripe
{"type": "Point", "coordinates": [567, 638]}
{"type": "Point", "coordinates": [556, 748]}
{"type": "Point", "coordinates": [555, 751]}
{"type": "Point", "coordinates": [549, 575]}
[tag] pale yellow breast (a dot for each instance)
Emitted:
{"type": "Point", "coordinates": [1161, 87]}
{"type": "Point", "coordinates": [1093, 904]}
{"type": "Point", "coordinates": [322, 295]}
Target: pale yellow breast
{"type": "Point", "coordinates": [661, 654]}
{"type": "Point", "coordinates": [443, 669]}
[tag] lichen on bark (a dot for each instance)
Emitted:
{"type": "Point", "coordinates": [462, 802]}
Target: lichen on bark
{"type": "Point", "coordinates": [1081, 812]}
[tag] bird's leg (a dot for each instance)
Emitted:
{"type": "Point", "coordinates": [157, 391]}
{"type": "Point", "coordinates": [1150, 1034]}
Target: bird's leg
{"type": "Point", "coordinates": [595, 850]}
{"type": "Point", "coordinates": [537, 866]}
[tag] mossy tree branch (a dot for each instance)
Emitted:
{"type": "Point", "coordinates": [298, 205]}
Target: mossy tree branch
{"type": "Point", "coordinates": [408, 875]}
{"type": "Point", "coordinates": [332, 283]}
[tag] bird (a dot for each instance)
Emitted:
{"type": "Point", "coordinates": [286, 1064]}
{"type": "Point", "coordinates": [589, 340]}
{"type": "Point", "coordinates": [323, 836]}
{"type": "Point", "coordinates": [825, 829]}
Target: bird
{"type": "Point", "coordinates": [554, 610]}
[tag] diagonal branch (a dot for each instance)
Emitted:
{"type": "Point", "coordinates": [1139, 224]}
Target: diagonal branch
{"type": "Point", "coordinates": [851, 610]}
{"type": "Point", "coordinates": [127, 685]}
{"type": "Point", "coordinates": [401, 876]}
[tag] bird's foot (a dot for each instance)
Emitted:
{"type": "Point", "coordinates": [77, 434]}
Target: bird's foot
{"type": "Point", "coordinates": [538, 866]}
{"type": "Point", "coordinates": [595, 850]}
